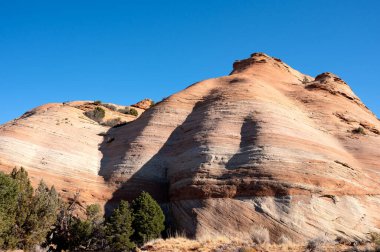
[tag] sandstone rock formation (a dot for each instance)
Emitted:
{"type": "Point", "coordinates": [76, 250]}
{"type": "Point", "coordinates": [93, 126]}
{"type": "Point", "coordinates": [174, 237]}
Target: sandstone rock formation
{"type": "Point", "coordinates": [59, 144]}
{"type": "Point", "coordinates": [266, 146]}
{"type": "Point", "coordinates": [144, 104]}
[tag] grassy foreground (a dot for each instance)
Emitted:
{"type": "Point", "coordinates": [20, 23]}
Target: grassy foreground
{"type": "Point", "coordinates": [219, 244]}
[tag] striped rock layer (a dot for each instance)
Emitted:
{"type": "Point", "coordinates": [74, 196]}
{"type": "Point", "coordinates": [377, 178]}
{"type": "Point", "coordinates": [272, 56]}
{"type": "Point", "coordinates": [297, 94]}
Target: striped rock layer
{"type": "Point", "coordinates": [266, 146]}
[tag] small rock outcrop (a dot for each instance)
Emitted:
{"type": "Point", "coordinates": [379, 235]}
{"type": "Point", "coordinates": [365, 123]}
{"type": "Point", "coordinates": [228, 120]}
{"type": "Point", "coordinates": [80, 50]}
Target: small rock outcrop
{"type": "Point", "coordinates": [144, 104]}
{"type": "Point", "coordinates": [334, 85]}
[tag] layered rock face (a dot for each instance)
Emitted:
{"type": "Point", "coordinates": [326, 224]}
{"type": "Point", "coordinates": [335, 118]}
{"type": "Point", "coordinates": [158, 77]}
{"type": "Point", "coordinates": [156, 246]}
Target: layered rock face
{"type": "Point", "coordinates": [60, 144]}
{"type": "Point", "coordinates": [266, 146]}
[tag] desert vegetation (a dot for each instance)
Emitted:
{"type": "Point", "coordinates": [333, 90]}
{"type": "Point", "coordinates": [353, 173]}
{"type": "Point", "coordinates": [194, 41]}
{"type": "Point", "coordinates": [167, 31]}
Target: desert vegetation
{"type": "Point", "coordinates": [359, 130]}
{"type": "Point", "coordinates": [305, 80]}
{"type": "Point", "coordinates": [26, 215]}
{"type": "Point", "coordinates": [39, 218]}
{"type": "Point", "coordinates": [375, 238]}
{"type": "Point", "coordinates": [97, 114]}
{"type": "Point", "coordinates": [129, 111]}
{"type": "Point", "coordinates": [110, 106]}
{"type": "Point", "coordinates": [113, 122]}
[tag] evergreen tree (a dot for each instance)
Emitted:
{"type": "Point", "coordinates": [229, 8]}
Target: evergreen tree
{"type": "Point", "coordinates": [27, 220]}
{"type": "Point", "coordinates": [148, 218]}
{"type": "Point", "coordinates": [97, 239]}
{"type": "Point", "coordinates": [43, 215]}
{"type": "Point", "coordinates": [24, 201]}
{"type": "Point", "coordinates": [25, 193]}
{"type": "Point", "coordinates": [60, 235]}
{"type": "Point", "coordinates": [8, 205]}
{"type": "Point", "coordinates": [93, 213]}
{"type": "Point", "coordinates": [88, 234]}
{"type": "Point", "coordinates": [81, 232]}
{"type": "Point", "coordinates": [119, 228]}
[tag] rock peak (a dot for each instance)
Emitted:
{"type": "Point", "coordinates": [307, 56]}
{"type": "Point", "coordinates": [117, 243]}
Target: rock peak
{"type": "Point", "coordinates": [328, 76]}
{"type": "Point", "coordinates": [144, 104]}
{"type": "Point", "coordinates": [256, 58]}
{"type": "Point", "coordinates": [260, 54]}
{"type": "Point", "coordinates": [271, 67]}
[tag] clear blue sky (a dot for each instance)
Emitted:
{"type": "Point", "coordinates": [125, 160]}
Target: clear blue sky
{"type": "Point", "coordinates": [124, 51]}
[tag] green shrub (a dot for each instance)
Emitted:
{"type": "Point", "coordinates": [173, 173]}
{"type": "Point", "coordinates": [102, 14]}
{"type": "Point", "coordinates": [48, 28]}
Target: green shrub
{"type": "Point", "coordinates": [87, 234]}
{"type": "Point", "coordinates": [99, 113]}
{"type": "Point", "coordinates": [110, 106]}
{"type": "Point", "coordinates": [359, 130]}
{"type": "Point", "coordinates": [29, 219]}
{"type": "Point", "coordinates": [375, 238]}
{"type": "Point", "coordinates": [81, 231]}
{"type": "Point", "coordinates": [30, 216]}
{"type": "Point", "coordinates": [24, 201]}
{"type": "Point", "coordinates": [148, 218]}
{"type": "Point", "coordinates": [8, 206]}
{"type": "Point", "coordinates": [97, 102]}
{"type": "Point", "coordinates": [133, 112]}
{"type": "Point", "coordinates": [43, 215]}
{"type": "Point", "coordinates": [73, 233]}
{"type": "Point", "coordinates": [119, 228]}
{"type": "Point", "coordinates": [93, 212]}
{"type": "Point", "coordinates": [113, 122]}
{"type": "Point", "coordinates": [129, 111]}
{"type": "Point", "coordinates": [96, 114]}
{"type": "Point", "coordinates": [60, 235]}
{"type": "Point", "coordinates": [124, 110]}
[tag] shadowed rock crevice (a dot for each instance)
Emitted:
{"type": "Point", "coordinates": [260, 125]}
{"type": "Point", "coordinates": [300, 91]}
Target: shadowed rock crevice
{"type": "Point", "coordinates": [117, 147]}
{"type": "Point", "coordinates": [248, 152]}
{"type": "Point", "coordinates": [156, 175]}
{"type": "Point", "coordinates": [232, 152]}
{"type": "Point", "coordinates": [114, 171]}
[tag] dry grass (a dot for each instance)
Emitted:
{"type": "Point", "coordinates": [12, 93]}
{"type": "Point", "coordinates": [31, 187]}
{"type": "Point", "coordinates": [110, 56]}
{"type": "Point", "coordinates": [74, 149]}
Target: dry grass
{"type": "Point", "coordinates": [318, 243]}
{"type": "Point", "coordinates": [259, 241]}
{"type": "Point", "coordinates": [221, 244]}
{"type": "Point", "coordinates": [375, 237]}
{"type": "Point", "coordinates": [260, 235]}
{"type": "Point", "coordinates": [172, 244]}
{"type": "Point", "coordinates": [284, 240]}
{"type": "Point", "coordinates": [179, 243]}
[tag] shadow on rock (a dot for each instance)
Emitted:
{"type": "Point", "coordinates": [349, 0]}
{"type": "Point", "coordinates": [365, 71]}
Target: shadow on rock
{"type": "Point", "coordinates": [248, 148]}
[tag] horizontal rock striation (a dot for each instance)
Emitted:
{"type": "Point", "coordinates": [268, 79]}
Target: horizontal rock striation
{"type": "Point", "coordinates": [261, 147]}
{"type": "Point", "coordinates": [266, 146]}
{"type": "Point", "coordinates": [58, 143]}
